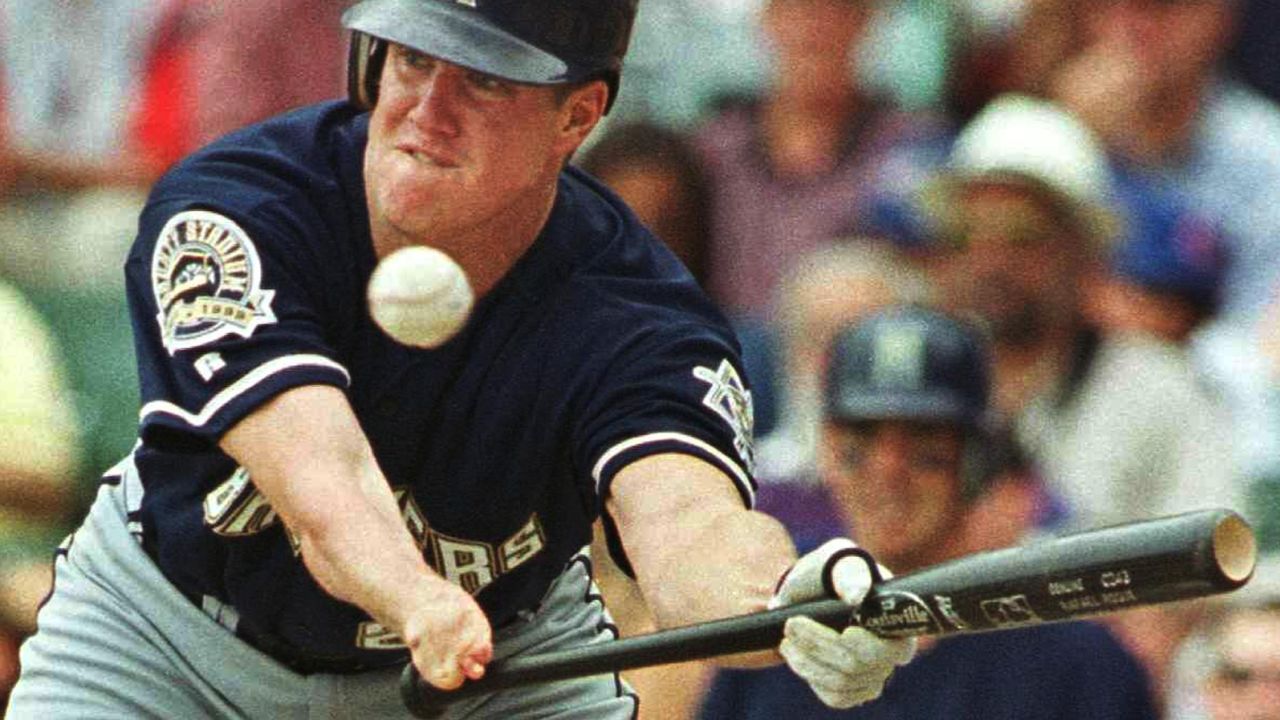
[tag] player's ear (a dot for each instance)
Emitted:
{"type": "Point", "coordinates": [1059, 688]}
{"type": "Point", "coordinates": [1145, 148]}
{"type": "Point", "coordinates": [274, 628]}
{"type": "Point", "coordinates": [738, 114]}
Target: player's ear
{"type": "Point", "coordinates": [582, 110]}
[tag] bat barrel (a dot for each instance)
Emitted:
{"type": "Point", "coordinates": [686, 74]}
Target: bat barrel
{"type": "Point", "coordinates": [1100, 571]}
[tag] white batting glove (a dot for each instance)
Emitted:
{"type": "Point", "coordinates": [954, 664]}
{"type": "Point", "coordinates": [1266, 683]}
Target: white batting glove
{"type": "Point", "coordinates": [844, 668]}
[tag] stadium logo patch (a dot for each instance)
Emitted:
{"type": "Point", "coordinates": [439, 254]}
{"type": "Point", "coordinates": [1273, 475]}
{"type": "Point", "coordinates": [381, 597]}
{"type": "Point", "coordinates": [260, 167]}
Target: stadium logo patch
{"type": "Point", "coordinates": [207, 279]}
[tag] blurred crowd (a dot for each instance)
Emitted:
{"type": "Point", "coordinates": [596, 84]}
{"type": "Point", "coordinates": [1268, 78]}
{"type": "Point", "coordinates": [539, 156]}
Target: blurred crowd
{"type": "Point", "coordinates": [1092, 185]}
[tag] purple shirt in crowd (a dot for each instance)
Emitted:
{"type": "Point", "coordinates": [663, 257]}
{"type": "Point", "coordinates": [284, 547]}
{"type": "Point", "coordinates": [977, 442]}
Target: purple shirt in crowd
{"type": "Point", "coordinates": [761, 224]}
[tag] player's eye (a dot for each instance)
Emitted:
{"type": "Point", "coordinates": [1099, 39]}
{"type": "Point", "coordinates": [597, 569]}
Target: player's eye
{"type": "Point", "coordinates": [488, 83]}
{"type": "Point", "coordinates": [413, 59]}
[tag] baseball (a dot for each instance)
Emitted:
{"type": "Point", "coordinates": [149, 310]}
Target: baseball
{"type": "Point", "coordinates": [420, 296]}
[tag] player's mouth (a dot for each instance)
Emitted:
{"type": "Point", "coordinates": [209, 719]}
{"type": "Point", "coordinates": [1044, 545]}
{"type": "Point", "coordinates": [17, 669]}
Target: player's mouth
{"type": "Point", "coordinates": [429, 156]}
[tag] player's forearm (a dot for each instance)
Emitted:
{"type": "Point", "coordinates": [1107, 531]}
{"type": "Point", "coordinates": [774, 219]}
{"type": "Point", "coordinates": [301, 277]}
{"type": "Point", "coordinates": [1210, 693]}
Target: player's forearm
{"type": "Point", "coordinates": [726, 565]}
{"type": "Point", "coordinates": [327, 488]}
{"type": "Point", "coordinates": [698, 554]}
{"type": "Point", "coordinates": [359, 551]}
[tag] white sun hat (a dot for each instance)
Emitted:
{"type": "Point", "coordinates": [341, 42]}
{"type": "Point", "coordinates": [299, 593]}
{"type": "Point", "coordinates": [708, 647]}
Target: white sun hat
{"type": "Point", "coordinates": [1022, 140]}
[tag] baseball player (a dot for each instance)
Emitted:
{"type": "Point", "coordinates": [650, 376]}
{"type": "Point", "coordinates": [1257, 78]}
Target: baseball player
{"type": "Point", "coordinates": [311, 505]}
{"type": "Point", "coordinates": [909, 459]}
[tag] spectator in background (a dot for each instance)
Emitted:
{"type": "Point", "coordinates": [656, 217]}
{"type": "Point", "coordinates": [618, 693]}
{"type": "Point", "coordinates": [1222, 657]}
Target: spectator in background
{"type": "Point", "coordinates": [73, 80]}
{"type": "Point", "coordinates": [1161, 443]}
{"type": "Point", "coordinates": [38, 464]}
{"type": "Point", "coordinates": [251, 60]}
{"type": "Point", "coordinates": [1166, 268]}
{"type": "Point", "coordinates": [795, 168]}
{"type": "Point", "coordinates": [656, 171]}
{"type": "Point", "coordinates": [1010, 46]}
{"type": "Point", "coordinates": [1229, 668]}
{"type": "Point", "coordinates": [907, 455]}
{"type": "Point", "coordinates": [1021, 210]}
{"type": "Point", "coordinates": [1114, 420]}
{"type": "Point", "coordinates": [825, 290]}
{"type": "Point", "coordinates": [74, 165]}
{"type": "Point", "coordinates": [1256, 52]}
{"type": "Point", "coordinates": [1141, 434]}
{"type": "Point", "coordinates": [1245, 681]}
{"type": "Point", "coordinates": [1027, 200]}
{"type": "Point", "coordinates": [71, 76]}
{"type": "Point", "coordinates": [1151, 83]}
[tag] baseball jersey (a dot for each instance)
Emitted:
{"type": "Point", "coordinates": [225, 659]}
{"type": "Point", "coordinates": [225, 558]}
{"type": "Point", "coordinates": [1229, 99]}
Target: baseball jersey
{"type": "Point", "coordinates": [248, 278]}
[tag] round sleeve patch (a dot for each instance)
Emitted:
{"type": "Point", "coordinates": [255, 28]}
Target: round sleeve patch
{"type": "Point", "coordinates": [207, 277]}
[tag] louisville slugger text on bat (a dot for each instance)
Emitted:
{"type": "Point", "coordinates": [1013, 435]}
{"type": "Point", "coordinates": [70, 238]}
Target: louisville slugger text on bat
{"type": "Point", "coordinates": [1095, 572]}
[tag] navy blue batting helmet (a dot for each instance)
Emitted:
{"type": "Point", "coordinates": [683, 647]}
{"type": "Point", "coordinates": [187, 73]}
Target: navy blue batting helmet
{"type": "Point", "coordinates": [908, 363]}
{"type": "Point", "coordinates": [911, 363]}
{"type": "Point", "coordinates": [543, 42]}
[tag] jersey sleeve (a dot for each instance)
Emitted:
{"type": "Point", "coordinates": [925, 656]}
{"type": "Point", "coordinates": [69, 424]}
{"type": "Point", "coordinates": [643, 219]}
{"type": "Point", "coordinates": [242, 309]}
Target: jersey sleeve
{"type": "Point", "coordinates": [674, 390]}
{"type": "Point", "coordinates": [228, 310]}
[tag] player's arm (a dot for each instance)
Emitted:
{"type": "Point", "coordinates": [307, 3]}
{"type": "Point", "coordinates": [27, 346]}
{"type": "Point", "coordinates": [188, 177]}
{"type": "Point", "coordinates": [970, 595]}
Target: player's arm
{"type": "Point", "coordinates": [697, 552]}
{"type": "Point", "coordinates": [306, 453]}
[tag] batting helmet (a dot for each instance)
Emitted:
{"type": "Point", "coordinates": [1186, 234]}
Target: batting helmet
{"type": "Point", "coordinates": [543, 42]}
{"type": "Point", "coordinates": [912, 363]}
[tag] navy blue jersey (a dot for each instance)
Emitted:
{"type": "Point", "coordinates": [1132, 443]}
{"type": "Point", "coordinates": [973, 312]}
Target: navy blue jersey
{"type": "Point", "coordinates": [248, 278]}
{"type": "Point", "coordinates": [1067, 671]}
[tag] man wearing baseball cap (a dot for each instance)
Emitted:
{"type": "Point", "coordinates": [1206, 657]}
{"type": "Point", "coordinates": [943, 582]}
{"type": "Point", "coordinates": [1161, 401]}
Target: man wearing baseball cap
{"type": "Point", "coordinates": [311, 505]}
{"type": "Point", "coordinates": [913, 468]}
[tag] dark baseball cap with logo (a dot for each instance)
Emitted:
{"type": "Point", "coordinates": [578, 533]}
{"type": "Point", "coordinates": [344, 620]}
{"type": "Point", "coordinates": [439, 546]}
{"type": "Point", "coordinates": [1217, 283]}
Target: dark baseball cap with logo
{"type": "Point", "coordinates": [542, 42]}
{"type": "Point", "coordinates": [908, 362]}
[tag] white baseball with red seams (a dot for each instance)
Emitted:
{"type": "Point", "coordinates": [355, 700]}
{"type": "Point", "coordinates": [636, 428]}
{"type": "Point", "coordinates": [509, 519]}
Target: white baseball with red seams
{"type": "Point", "coordinates": [420, 296]}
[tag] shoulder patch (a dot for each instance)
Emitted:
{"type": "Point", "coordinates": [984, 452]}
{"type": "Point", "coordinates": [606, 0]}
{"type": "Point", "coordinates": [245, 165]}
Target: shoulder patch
{"type": "Point", "coordinates": [207, 277]}
{"type": "Point", "coordinates": [731, 400]}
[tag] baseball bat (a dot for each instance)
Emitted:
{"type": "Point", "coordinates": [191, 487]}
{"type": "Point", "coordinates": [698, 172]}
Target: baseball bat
{"type": "Point", "coordinates": [1090, 573]}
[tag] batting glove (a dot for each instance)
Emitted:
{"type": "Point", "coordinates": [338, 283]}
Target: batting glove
{"type": "Point", "coordinates": [844, 668]}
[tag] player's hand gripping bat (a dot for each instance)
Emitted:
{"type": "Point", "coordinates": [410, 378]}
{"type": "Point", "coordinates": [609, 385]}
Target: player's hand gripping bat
{"type": "Point", "coordinates": [1090, 573]}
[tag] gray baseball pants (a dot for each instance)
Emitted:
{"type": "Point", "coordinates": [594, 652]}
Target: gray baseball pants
{"type": "Point", "coordinates": [117, 640]}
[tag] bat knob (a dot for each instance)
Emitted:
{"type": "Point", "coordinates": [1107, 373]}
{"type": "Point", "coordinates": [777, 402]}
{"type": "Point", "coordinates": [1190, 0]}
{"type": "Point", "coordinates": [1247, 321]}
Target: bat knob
{"type": "Point", "coordinates": [421, 698]}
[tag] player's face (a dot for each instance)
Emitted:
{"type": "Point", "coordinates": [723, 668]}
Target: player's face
{"type": "Point", "coordinates": [456, 156]}
{"type": "Point", "coordinates": [899, 485]}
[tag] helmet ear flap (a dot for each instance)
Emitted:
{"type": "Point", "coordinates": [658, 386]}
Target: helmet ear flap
{"type": "Point", "coordinates": [364, 69]}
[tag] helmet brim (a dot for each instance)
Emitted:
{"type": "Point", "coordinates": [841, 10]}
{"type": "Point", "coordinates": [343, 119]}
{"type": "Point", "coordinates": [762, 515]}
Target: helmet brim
{"type": "Point", "coordinates": [861, 406]}
{"type": "Point", "coordinates": [451, 32]}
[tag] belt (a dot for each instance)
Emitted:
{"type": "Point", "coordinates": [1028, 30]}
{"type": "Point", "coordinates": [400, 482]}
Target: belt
{"type": "Point", "coordinates": [307, 664]}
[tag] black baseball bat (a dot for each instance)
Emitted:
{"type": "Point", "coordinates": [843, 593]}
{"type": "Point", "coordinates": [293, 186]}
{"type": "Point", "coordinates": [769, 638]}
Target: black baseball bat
{"type": "Point", "coordinates": [1090, 573]}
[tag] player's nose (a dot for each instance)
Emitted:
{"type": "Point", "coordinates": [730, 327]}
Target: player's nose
{"type": "Point", "coordinates": [438, 102]}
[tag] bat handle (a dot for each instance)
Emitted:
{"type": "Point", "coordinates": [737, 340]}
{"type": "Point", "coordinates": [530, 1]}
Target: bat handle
{"type": "Point", "coordinates": [758, 631]}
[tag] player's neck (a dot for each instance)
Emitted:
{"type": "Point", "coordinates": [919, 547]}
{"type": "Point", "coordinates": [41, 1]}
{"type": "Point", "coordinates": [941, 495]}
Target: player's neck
{"type": "Point", "coordinates": [486, 250]}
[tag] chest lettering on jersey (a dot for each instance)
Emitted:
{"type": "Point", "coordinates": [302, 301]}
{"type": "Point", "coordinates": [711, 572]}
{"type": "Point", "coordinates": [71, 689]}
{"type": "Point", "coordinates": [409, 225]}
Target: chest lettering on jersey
{"type": "Point", "coordinates": [206, 278]}
{"type": "Point", "coordinates": [731, 400]}
{"type": "Point", "coordinates": [236, 509]}
{"type": "Point", "coordinates": [471, 564]}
